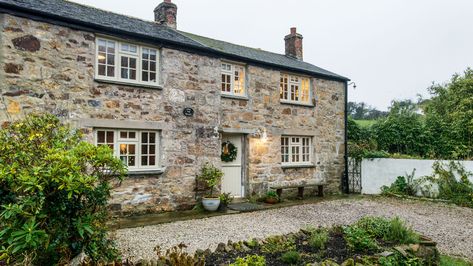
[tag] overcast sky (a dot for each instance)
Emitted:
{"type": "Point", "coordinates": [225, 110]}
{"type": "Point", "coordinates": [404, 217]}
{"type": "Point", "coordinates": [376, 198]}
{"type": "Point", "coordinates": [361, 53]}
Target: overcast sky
{"type": "Point", "coordinates": [392, 49]}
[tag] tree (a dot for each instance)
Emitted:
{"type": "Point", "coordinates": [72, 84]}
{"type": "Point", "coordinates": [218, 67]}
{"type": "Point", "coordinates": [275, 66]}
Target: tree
{"type": "Point", "coordinates": [54, 191]}
{"type": "Point", "coordinates": [449, 118]}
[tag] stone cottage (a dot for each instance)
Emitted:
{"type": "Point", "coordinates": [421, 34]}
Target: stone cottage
{"type": "Point", "coordinates": [167, 101]}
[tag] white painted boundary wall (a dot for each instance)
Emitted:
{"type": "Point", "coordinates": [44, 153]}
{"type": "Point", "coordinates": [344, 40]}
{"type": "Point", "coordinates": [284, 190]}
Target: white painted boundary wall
{"type": "Point", "coordinates": [376, 173]}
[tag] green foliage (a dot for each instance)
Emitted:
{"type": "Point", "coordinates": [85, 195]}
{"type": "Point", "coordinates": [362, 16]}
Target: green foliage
{"type": "Point", "coordinates": [399, 232]}
{"type": "Point", "coordinates": [399, 260]}
{"type": "Point", "coordinates": [404, 185]}
{"type": "Point", "coordinates": [291, 257]}
{"type": "Point", "coordinates": [211, 176]}
{"type": "Point", "coordinates": [250, 260]}
{"type": "Point", "coordinates": [450, 261]}
{"type": "Point", "coordinates": [252, 243]}
{"type": "Point", "coordinates": [393, 230]}
{"type": "Point", "coordinates": [226, 198]}
{"type": "Point", "coordinates": [359, 240]}
{"type": "Point", "coordinates": [275, 244]}
{"type": "Point", "coordinates": [453, 183]}
{"type": "Point", "coordinates": [376, 227]}
{"type": "Point", "coordinates": [443, 130]}
{"type": "Point", "coordinates": [318, 238]}
{"type": "Point", "coordinates": [177, 256]}
{"type": "Point", "coordinates": [54, 191]}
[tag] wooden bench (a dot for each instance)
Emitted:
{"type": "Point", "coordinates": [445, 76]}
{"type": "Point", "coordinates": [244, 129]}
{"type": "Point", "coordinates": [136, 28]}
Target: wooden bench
{"type": "Point", "coordinates": [300, 189]}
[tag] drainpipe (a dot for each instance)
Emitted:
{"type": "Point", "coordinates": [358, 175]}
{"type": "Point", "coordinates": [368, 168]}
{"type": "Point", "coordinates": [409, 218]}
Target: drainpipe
{"type": "Point", "coordinates": [345, 187]}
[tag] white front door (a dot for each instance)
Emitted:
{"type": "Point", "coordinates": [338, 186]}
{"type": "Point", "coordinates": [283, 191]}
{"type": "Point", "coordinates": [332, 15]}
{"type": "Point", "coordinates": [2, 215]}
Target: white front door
{"type": "Point", "coordinates": [232, 179]}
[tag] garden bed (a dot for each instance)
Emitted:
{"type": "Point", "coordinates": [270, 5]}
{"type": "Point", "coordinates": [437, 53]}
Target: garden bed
{"type": "Point", "coordinates": [370, 241]}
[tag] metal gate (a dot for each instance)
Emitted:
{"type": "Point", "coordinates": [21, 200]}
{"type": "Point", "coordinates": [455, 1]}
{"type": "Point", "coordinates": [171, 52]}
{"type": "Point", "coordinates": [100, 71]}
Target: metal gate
{"type": "Point", "coordinates": [354, 175]}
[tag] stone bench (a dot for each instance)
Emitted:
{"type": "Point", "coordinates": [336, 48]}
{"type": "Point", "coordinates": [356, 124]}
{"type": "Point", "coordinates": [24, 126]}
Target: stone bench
{"type": "Point", "coordinates": [300, 189]}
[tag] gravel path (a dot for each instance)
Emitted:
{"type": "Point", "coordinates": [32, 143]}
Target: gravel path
{"type": "Point", "coordinates": [450, 226]}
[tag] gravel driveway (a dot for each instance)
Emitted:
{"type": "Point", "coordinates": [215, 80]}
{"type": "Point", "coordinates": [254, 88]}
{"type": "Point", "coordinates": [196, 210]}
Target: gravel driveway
{"type": "Point", "coordinates": [450, 226]}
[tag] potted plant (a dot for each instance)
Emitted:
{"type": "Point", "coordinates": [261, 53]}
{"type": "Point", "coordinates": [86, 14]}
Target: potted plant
{"type": "Point", "coordinates": [271, 197]}
{"type": "Point", "coordinates": [225, 200]}
{"type": "Point", "coordinates": [211, 176]}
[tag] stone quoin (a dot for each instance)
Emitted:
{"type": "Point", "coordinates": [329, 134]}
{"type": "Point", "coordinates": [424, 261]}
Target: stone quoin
{"type": "Point", "coordinates": [125, 83]}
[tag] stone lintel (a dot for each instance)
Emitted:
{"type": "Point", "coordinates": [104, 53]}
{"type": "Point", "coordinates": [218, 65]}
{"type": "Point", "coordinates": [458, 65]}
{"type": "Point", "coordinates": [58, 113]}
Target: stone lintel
{"type": "Point", "coordinates": [117, 124]}
{"type": "Point", "coordinates": [238, 130]}
{"type": "Point", "coordinates": [294, 132]}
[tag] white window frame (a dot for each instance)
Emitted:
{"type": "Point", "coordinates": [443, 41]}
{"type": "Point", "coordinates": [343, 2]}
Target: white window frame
{"type": "Point", "coordinates": [117, 140]}
{"type": "Point", "coordinates": [295, 80]}
{"type": "Point", "coordinates": [117, 67]}
{"type": "Point", "coordinates": [231, 73]}
{"type": "Point", "coordinates": [302, 150]}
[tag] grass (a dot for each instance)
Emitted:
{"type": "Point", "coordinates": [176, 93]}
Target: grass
{"type": "Point", "coordinates": [450, 261]}
{"type": "Point", "coordinates": [365, 123]}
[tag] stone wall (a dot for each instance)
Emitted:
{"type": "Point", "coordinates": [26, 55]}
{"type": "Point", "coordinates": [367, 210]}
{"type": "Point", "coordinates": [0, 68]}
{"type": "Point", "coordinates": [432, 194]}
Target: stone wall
{"type": "Point", "coordinates": [325, 122]}
{"type": "Point", "coordinates": [50, 68]}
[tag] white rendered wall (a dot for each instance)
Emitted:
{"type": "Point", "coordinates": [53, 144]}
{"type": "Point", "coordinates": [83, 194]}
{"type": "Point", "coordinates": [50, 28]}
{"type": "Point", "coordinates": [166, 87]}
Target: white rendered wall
{"type": "Point", "coordinates": [376, 173]}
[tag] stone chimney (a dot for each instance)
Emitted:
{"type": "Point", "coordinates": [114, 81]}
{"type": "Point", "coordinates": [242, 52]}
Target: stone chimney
{"type": "Point", "coordinates": [294, 44]}
{"type": "Point", "coordinates": [166, 14]}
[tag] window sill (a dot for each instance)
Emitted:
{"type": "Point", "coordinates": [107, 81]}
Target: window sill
{"type": "Point", "coordinates": [131, 84]}
{"type": "Point", "coordinates": [290, 166]}
{"type": "Point", "coordinates": [134, 173]}
{"type": "Point", "coordinates": [297, 104]}
{"type": "Point", "coordinates": [245, 98]}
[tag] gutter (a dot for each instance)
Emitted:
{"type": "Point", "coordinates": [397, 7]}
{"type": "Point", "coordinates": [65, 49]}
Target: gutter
{"type": "Point", "coordinates": [204, 50]}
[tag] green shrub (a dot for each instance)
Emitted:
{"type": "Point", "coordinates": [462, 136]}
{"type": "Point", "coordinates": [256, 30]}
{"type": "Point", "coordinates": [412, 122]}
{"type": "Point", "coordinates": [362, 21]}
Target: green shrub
{"type": "Point", "coordinates": [250, 260]}
{"type": "Point", "coordinates": [211, 176]}
{"type": "Point", "coordinates": [374, 226]}
{"type": "Point", "coordinates": [459, 191]}
{"type": "Point", "coordinates": [403, 185]}
{"type": "Point", "coordinates": [275, 244]}
{"type": "Point", "coordinates": [399, 232]}
{"type": "Point", "coordinates": [397, 259]}
{"type": "Point", "coordinates": [54, 191]}
{"type": "Point", "coordinates": [359, 240]}
{"type": "Point", "coordinates": [291, 257]}
{"type": "Point", "coordinates": [318, 238]}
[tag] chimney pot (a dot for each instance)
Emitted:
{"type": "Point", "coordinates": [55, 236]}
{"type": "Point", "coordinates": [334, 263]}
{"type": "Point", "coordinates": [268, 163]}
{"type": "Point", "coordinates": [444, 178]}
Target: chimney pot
{"type": "Point", "coordinates": [166, 14]}
{"type": "Point", "coordinates": [294, 44]}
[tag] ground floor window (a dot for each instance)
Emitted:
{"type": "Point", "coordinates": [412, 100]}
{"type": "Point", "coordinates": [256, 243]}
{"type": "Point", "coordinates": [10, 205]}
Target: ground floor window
{"type": "Point", "coordinates": [138, 149]}
{"type": "Point", "coordinates": [296, 150]}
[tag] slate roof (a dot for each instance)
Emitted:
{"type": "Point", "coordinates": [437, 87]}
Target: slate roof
{"type": "Point", "coordinates": [105, 21]}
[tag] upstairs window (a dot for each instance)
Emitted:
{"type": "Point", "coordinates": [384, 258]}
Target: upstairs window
{"type": "Point", "coordinates": [137, 149]}
{"type": "Point", "coordinates": [233, 79]}
{"type": "Point", "coordinates": [294, 89]}
{"type": "Point", "coordinates": [126, 62]}
{"type": "Point", "coordinates": [296, 150]}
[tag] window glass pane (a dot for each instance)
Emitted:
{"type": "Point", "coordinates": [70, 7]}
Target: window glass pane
{"type": "Point", "coordinates": [152, 137]}
{"type": "Point", "coordinates": [131, 149]}
{"type": "Point", "coordinates": [144, 160]}
{"type": "Point", "coordinates": [124, 61]}
{"type": "Point", "coordinates": [153, 56]}
{"type": "Point", "coordinates": [110, 71]}
{"type": "Point", "coordinates": [102, 70]}
{"type": "Point", "coordinates": [145, 65]}
{"type": "Point", "coordinates": [144, 76]}
{"type": "Point", "coordinates": [124, 74]}
{"type": "Point", "coordinates": [109, 136]}
{"type": "Point", "coordinates": [101, 136]}
{"type": "Point", "coordinates": [133, 74]}
{"type": "Point", "coordinates": [133, 63]}
{"type": "Point", "coordinates": [152, 160]}
{"type": "Point", "coordinates": [131, 161]}
{"type": "Point", "coordinates": [132, 134]}
{"type": "Point", "coordinates": [152, 149]}
{"type": "Point", "coordinates": [101, 58]}
{"type": "Point", "coordinates": [123, 134]}
{"type": "Point", "coordinates": [152, 66]}
{"type": "Point", "coordinates": [152, 77]}
{"type": "Point", "coordinates": [144, 149]}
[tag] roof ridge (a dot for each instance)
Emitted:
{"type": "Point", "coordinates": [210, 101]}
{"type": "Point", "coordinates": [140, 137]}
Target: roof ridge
{"type": "Point", "coordinates": [257, 49]}
{"type": "Point", "coordinates": [108, 11]}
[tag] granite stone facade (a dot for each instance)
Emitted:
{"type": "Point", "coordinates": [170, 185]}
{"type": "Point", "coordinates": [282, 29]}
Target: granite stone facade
{"type": "Point", "coordinates": [50, 68]}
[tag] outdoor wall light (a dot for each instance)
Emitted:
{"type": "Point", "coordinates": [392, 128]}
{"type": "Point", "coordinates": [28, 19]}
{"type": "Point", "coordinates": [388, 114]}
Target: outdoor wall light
{"type": "Point", "coordinates": [216, 134]}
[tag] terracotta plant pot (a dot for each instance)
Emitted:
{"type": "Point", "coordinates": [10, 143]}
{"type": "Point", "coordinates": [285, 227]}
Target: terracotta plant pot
{"type": "Point", "coordinates": [211, 204]}
{"type": "Point", "coordinates": [271, 200]}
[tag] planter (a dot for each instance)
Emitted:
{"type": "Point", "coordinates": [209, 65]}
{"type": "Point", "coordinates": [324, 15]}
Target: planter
{"type": "Point", "coordinates": [211, 204]}
{"type": "Point", "coordinates": [271, 200]}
